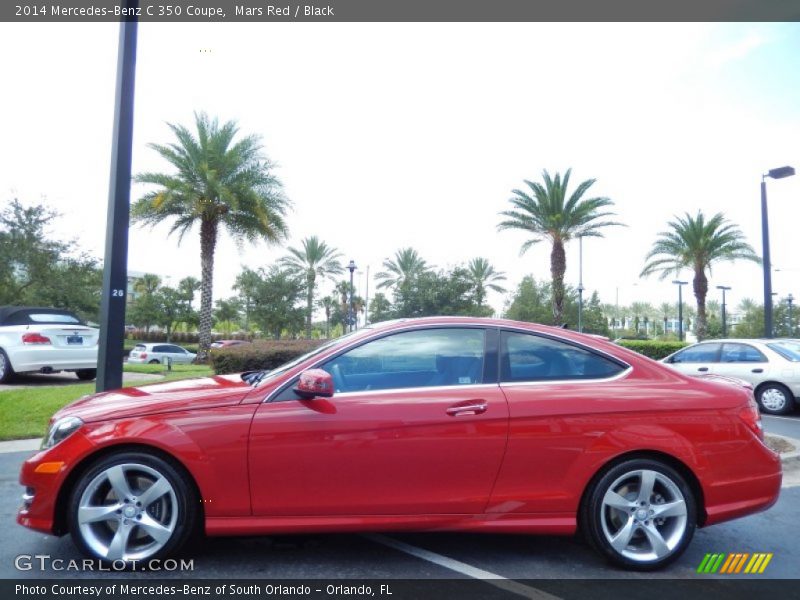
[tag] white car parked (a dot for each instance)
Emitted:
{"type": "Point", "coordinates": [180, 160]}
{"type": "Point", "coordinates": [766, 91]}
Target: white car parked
{"type": "Point", "coordinates": [157, 353]}
{"type": "Point", "coordinates": [771, 365]}
{"type": "Point", "coordinates": [45, 340]}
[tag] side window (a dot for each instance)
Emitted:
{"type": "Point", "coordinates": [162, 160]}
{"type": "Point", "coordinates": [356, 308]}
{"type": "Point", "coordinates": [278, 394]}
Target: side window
{"type": "Point", "coordinates": [425, 358]}
{"type": "Point", "coordinates": [741, 353]}
{"type": "Point", "coordinates": [160, 348]}
{"type": "Point", "coordinates": [527, 357]}
{"type": "Point", "coordinates": [702, 353]}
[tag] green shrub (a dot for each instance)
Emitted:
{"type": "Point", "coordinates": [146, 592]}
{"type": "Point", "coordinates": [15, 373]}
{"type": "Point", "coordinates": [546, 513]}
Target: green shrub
{"type": "Point", "coordinates": [263, 354]}
{"type": "Point", "coordinates": [652, 348]}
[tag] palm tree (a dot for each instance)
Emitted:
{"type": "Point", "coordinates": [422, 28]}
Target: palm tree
{"type": "Point", "coordinates": [327, 303]}
{"type": "Point", "coordinates": [218, 182]}
{"type": "Point", "coordinates": [483, 277]}
{"type": "Point", "coordinates": [405, 266]}
{"type": "Point", "coordinates": [548, 214]}
{"type": "Point", "coordinates": [696, 243]}
{"type": "Point", "coordinates": [666, 308]}
{"type": "Point", "coordinates": [314, 259]}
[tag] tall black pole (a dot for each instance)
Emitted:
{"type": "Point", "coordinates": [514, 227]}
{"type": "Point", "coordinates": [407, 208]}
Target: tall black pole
{"type": "Point", "coordinates": [680, 313]}
{"type": "Point", "coordinates": [724, 324]}
{"type": "Point", "coordinates": [115, 265]}
{"type": "Point", "coordinates": [767, 266]}
{"type": "Point", "coordinates": [352, 316]}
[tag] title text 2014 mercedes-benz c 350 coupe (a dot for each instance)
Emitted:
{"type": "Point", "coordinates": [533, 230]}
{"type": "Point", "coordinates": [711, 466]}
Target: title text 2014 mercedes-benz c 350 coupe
{"type": "Point", "coordinates": [430, 424]}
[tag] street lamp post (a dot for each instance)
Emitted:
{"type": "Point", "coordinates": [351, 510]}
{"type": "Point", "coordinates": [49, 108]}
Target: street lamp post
{"type": "Point", "coordinates": [580, 284]}
{"type": "Point", "coordinates": [778, 173]}
{"type": "Point", "coordinates": [680, 285]}
{"type": "Point", "coordinates": [352, 313]}
{"type": "Point", "coordinates": [724, 289]}
{"type": "Point", "coordinates": [790, 301]}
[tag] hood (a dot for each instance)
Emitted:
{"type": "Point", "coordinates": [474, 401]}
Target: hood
{"type": "Point", "coordinates": [186, 394]}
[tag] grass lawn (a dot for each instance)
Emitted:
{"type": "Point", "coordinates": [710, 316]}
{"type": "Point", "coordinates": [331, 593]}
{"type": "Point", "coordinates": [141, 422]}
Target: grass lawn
{"type": "Point", "coordinates": [26, 410]}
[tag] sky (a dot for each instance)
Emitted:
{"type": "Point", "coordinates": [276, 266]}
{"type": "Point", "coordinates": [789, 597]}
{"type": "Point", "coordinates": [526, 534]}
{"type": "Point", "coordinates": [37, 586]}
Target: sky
{"type": "Point", "coordinates": [387, 135]}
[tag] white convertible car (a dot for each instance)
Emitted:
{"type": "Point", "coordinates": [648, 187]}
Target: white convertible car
{"type": "Point", "coordinates": [45, 340]}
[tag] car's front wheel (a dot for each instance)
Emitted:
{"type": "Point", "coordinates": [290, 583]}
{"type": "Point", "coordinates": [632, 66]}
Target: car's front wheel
{"type": "Point", "coordinates": [132, 506]}
{"type": "Point", "coordinates": [86, 374]}
{"type": "Point", "coordinates": [6, 371]}
{"type": "Point", "coordinates": [641, 514]}
{"type": "Point", "coordinates": [775, 399]}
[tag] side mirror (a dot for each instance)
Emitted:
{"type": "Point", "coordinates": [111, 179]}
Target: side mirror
{"type": "Point", "coordinates": [314, 383]}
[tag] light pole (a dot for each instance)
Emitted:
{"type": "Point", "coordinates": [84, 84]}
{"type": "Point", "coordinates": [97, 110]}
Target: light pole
{"type": "Point", "coordinates": [366, 301]}
{"type": "Point", "coordinates": [580, 284]}
{"type": "Point", "coordinates": [352, 313]}
{"type": "Point", "coordinates": [778, 173]}
{"type": "Point", "coordinates": [724, 289]}
{"type": "Point", "coordinates": [680, 285]}
{"type": "Point", "coordinates": [790, 301]}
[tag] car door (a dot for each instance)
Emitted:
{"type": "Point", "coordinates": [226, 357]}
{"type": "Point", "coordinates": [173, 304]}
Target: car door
{"type": "Point", "coordinates": [178, 355]}
{"type": "Point", "coordinates": [743, 361]}
{"type": "Point", "coordinates": [411, 429]}
{"type": "Point", "coordinates": [697, 360]}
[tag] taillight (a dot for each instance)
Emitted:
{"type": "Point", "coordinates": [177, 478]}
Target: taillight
{"type": "Point", "coordinates": [35, 338]}
{"type": "Point", "coordinates": [143, 355]}
{"type": "Point", "coordinates": [752, 418]}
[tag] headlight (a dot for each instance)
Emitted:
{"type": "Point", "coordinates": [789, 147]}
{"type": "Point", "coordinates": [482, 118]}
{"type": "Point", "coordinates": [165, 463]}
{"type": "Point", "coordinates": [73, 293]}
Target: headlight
{"type": "Point", "coordinates": [61, 429]}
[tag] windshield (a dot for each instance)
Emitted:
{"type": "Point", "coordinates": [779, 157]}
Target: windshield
{"type": "Point", "coordinates": [260, 377]}
{"type": "Point", "coordinates": [790, 349]}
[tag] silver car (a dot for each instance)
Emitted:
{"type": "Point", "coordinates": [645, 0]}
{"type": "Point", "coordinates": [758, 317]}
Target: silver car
{"type": "Point", "coordinates": [771, 365]}
{"type": "Point", "coordinates": [153, 354]}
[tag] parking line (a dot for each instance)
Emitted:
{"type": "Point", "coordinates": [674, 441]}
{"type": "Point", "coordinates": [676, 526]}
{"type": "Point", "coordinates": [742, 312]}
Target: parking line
{"type": "Point", "coordinates": [455, 565]}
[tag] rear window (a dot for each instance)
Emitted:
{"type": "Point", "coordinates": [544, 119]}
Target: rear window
{"type": "Point", "coordinates": [788, 350]}
{"type": "Point", "coordinates": [140, 347]}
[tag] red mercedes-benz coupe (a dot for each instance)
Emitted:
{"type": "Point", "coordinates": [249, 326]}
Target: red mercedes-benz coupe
{"type": "Point", "coordinates": [427, 424]}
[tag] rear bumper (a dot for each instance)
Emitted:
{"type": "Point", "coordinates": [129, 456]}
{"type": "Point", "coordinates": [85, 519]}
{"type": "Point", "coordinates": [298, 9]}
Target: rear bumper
{"type": "Point", "coordinates": [35, 358]}
{"type": "Point", "coordinates": [752, 486]}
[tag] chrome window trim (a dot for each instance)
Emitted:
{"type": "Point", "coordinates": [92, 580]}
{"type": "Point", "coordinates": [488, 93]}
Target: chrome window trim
{"type": "Point", "coordinates": [620, 375]}
{"type": "Point", "coordinates": [471, 386]}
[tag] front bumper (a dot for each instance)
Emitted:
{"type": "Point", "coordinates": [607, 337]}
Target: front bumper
{"type": "Point", "coordinates": [43, 476]}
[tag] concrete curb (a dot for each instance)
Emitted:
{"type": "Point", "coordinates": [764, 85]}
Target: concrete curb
{"type": "Point", "coordinates": [20, 445]}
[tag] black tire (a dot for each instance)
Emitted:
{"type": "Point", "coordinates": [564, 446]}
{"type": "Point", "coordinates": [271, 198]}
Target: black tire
{"type": "Point", "coordinates": [6, 370]}
{"type": "Point", "coordinates": [779, 399]}
{"type": "Point", "coordinates": [634, 526]}
{"type": "Point", "coordinates": [173, 513]}
{"type": "Point", "coordinates": [154, 362]}
{"type": "Point", "coordinates": [86, 374]}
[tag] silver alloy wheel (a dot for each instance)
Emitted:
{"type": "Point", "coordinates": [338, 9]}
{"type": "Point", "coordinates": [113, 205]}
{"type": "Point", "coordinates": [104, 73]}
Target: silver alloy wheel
{"type": "Point", "coordinates": [127, 512]}
{"type": "Point", "coordinates": [773, 399]}
{"type": "Point", "coordinates": [644, 515]}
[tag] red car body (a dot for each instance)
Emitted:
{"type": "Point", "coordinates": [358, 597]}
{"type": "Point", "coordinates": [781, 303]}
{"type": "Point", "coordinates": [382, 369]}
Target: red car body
{"type": "Point", "coordinates": [420, 458]}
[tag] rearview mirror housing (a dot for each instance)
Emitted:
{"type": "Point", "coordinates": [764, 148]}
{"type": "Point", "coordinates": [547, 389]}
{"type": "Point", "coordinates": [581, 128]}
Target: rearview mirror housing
{"type": "Point", "coordinates": [314, 383]}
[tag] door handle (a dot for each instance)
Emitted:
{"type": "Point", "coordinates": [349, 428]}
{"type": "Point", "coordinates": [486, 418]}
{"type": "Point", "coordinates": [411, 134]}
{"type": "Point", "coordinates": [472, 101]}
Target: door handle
{"type": "Point", "coordinates": [702, 369]}
{"type": "Point", "coordinates": [467, 409]}
{"type": "Point", "coordinates": [759, 370]}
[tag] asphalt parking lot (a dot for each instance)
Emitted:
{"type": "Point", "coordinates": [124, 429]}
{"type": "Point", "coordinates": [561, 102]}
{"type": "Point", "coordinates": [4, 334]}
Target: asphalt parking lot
{"type": "Point", "coordinates": [427, 556]}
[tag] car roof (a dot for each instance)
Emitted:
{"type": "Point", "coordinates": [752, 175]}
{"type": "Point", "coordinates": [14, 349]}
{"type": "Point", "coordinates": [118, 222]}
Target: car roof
{"type": "Point", "coordinates": [7, 312]}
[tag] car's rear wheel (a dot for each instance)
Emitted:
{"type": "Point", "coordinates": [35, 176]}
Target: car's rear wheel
{"type": "Point", "coordinates": [132, 506]}
{"type": "Point", "coordinates": [6, 371]}
{"type": "Point", "coordinates": [775, 399]}
{"type": "Point", "coordinates": [153, 362]}
{"type": "Point", "coordinates": [641, 514]}
{"type": "Point", "coordinates": [86, 374]}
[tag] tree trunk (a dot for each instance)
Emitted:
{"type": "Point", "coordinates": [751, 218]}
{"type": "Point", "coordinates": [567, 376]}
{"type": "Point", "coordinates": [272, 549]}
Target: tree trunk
{"type": "Point", "coordinates": [558, 266]}
{"type": "Point", "coordinates": [208, 243]}
{"type": "Point", "coordinates": [309, 302]}
{"type": "Point", "coordinates": [700, 285]}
